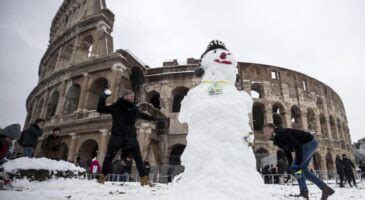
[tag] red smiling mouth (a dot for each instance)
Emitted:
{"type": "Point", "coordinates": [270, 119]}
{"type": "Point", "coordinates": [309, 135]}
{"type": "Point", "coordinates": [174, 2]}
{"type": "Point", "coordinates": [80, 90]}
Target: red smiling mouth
{"type": "Point", "coordinates": [227, 62]}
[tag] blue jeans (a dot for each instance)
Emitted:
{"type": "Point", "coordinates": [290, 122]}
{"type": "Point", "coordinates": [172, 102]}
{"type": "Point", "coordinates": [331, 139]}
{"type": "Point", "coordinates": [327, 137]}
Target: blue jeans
{"type": "Point", "coordinates": [28, 152]}
{"type": "Point", "coordinates": [308, 151]}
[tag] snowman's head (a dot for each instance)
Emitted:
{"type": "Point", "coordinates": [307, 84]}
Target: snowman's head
{"type": "Point", "coordinates": [218, 56]}
{"type": "Point", "coordinates": [221, 57]}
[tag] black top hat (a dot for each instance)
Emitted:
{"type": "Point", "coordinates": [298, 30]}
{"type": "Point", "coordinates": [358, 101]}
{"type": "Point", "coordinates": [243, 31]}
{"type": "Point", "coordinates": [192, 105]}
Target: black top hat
{"type": "Point", "coordinates": [214, 44]}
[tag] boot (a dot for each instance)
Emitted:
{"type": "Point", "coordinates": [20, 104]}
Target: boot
{"type": "Point", "coordinates": [101, 179]}
{"type": "Point", "coordinates": [145, 181]}
{"type": "Point", "coordinates": [326, 192]}
{"type": "Point", "coordinates": [304, 195]}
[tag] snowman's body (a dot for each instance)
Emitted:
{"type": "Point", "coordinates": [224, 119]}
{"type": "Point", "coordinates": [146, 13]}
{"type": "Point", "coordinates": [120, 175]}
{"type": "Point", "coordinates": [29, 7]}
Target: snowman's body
{"type": "Point", "coordinates": [219, 164]}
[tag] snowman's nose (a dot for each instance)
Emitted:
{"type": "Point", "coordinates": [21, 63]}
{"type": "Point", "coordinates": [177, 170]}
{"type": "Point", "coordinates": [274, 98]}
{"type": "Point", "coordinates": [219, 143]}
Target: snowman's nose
{"type": "Point", "coordinates": [223, 55]}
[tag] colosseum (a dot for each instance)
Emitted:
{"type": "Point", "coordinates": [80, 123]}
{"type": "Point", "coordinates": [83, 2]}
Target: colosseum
{"type": "Point", "coordinates": [80, 62]}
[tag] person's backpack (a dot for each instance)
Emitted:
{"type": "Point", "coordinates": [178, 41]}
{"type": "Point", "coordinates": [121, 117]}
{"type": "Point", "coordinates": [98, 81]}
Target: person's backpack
{"type": "Point", "coordinates": [21, 139]}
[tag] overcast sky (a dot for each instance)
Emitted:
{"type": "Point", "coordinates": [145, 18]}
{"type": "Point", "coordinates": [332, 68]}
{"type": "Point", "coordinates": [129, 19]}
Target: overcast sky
{"type": "Point", "coordinates": [324, 39]}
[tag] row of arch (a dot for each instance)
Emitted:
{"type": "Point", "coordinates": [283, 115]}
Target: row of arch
{"type": "Point", "coordinates": [71, 101]}
{"type": "Point", "coordinates": [257, 91]}
{"type": "Point", "coordinates": [63, 56]}
{"type": "Point", "coordinates": [327, 126]}
{"type": "Point", "coordinates": [72, 98]}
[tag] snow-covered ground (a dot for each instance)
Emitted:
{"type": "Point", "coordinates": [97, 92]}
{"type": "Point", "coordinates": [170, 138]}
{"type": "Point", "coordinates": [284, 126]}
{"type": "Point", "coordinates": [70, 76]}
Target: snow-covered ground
{"type": "Point", "coordinates": [89, 190]}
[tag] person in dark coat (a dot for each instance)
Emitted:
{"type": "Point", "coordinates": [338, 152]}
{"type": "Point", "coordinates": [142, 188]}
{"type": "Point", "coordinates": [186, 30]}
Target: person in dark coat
{"type": "Point", "coordinates": [31, 135]}
{"type": "Point", "coordinates": [348, 169]}
{"type": "Point", "coordinates": [340, 169]}
{"type": "Point", "coordinates": [7, 135]}
{"type": "Point", "coordinates": [304, 145]}
{"type": "Point", "coordinates": [52, 148]}
{"type": "Point", "coordinates": [123, 134]}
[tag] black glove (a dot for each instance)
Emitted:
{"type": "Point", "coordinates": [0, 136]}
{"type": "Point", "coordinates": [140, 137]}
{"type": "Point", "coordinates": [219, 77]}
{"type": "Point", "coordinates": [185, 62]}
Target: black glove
{"type": "Point", "coordinates": [199, 72]}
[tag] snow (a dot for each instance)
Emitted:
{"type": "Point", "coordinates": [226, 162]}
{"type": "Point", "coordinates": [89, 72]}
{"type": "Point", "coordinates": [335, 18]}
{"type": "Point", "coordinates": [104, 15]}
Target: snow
{"type": "Point", "coordinates": [40, 163]}
{"type": "Point", "coordinates": [91, 190]}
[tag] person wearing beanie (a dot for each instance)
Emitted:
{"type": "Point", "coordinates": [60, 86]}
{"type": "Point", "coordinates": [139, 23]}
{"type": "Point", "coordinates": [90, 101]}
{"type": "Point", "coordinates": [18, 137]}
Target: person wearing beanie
{"type": "Point", "coordinates": [30, 137]}
{"type": "Point", "coordinates": [52, 148]}
{"type": "Point", "coordinates": [123, 134]}
{"type": "Point", "coordinates": [7, 135]}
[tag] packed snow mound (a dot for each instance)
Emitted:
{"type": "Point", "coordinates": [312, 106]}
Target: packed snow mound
{"type": "Point", "coordinates": [40, 164]}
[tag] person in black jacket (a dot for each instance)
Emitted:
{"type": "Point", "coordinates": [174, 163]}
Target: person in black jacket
{"type": "Point", "coordinates": [348, 166]}
{"type": "Point", "coordinates": [304, 145]}
{"type": "Point", "coordinates": [123, 134]}
{"type": "Point", "coordinates": [31, 135]}
{"type": "Point", "coordinates": [340, 169]}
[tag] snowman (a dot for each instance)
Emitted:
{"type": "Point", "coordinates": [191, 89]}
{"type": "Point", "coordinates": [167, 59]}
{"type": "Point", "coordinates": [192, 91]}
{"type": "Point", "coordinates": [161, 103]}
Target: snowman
{"type": "Point", "coordinates": [218, 158]}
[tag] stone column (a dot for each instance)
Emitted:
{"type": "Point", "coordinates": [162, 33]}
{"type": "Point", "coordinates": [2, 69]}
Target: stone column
{"type": "Point", "coordinates": [286, 118]}
{"type": "Point", "coordinates": [304, 121]}
{"type": "Point", "coordinates": [268, 115]}
{"type": "Point", "coordinates": [318, 127]}
{"type": "Point", "coordinates": [328, 128]}
{"type": "Point", "coordinates": [103, 145]}
{"type": "Point", "coordinates": [83, 93]}
{"type": "Point", "coordinates": [72, 149]}
{"type": "Point", "coordinates": [115, 84]}
{"type": "Point", "coordinates": [61, 101]}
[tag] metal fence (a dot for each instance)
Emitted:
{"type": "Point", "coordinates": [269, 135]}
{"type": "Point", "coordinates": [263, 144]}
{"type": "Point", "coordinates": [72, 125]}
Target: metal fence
{"type": "Point", "coordinates": [327, 176]}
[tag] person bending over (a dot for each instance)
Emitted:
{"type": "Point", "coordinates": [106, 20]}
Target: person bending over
{"type": "Point", "coordinates": [304, 145]}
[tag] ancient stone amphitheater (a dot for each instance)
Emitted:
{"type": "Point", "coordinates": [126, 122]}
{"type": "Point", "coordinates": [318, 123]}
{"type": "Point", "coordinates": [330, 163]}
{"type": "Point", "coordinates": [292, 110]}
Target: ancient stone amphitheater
{"type": "Point", "coordinates": [80, 61]}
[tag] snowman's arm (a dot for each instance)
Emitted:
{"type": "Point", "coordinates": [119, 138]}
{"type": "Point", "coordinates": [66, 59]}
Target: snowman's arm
{"type": "Point", "coordinates": [184, 109]}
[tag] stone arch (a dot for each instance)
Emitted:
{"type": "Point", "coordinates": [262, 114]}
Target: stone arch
{"type": "Point", "coordinates": [175, 154]}
{"type": "Point", "coordinates": [278, 115]}
{"type": "Point", "coordinates": [52, 105]}
{"type": "Point", "coordinates": [86, 151]}
{"type": "Point", "coordinates": [52, 62]}
{"type": "Point", "coordinates": [311, 119]}
{"type": "Point", "coordinates": [320, 104]}
{"type": "Point", "coordinates": [344, 131]}
{"type": "Point", "coordinates": [64, 149]}
{"type": "Point", "coordinates": [153, 98]}
{"type": "Point", "coordinates": [40, 108]}
{"type": "Point", "coordinates": [87, 46]}
{"type": "Point", "coordinates": [339, 128]}
{"type": "Point", "coordinates": [95, 91]}
{"type": "Point", "coordinates": [330, 165]}
{"type": "Point", "coordinates": [261, 153]}
{"type": "Point", "coordinates": [333, 127]}
{"type": "Point", "coordinates": [323, 123]}
{"type": "Point", "coordinates": [178, 95]}
{"type": "Point", "coordinates": [296, 117]}
{"type": "Point", "coordinates": [72, 99]}
{"type": "Point", "coordinates": [66, 54]}
{"type": "Point", "coordinates": [329, 162]}
{"type": "Point", "coordinates": [281, 161]}
{"type": "Point", "coordinates": [257, 90]}
{"type": "Point", "coordinates": [258, 116]}
{"type": "Point", "coordinates": [137, 78]}
{"type": "Point", "coordinates": [317, 161]}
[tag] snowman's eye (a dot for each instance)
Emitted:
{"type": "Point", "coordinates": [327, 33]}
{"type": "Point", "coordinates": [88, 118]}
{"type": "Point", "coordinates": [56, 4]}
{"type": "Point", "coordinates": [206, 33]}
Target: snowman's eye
{"type": "Point", "coordinates": [215, 51]}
